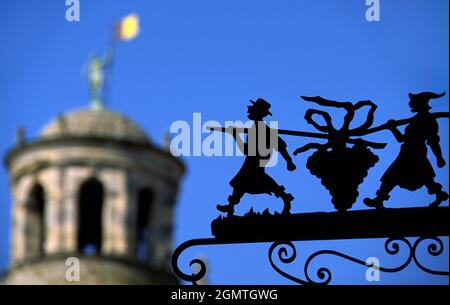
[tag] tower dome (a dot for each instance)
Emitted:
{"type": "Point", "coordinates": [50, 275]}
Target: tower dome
{"type": "Point", "coordinates": [95, 123]}
{"type": "Point", "coordinates": [92, 187]}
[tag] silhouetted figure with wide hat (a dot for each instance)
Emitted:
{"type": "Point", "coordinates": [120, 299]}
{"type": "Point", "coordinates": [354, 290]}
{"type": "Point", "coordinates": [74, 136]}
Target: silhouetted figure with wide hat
{"type": "Point", "coordinates": [411, 169]}
{"type": "Point", "coordinates": [252, 178]}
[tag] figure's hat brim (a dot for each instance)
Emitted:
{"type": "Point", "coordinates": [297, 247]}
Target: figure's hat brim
{"type": "Point", "coordinates": [426, 96]}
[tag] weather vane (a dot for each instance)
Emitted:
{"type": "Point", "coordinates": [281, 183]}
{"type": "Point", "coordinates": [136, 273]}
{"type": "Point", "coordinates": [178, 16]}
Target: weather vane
{"type": "Point", "coordinates": [98, 69]}
{"type": "Point", "coordinates": [342, 164]}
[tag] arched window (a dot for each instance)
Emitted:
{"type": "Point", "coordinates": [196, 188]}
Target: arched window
{"type": "Point", "coordinates": [35, 225]}
{"type": "Point", "coordinates": [90, 202]}
{"type": "Point", "coordinates": [144, 210]}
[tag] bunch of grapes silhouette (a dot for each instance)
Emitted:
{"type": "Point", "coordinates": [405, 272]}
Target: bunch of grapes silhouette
{"type": "Point", "coordinates": [341, 168]}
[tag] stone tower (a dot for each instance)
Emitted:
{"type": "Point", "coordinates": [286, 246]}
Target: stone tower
{"type": "Point", "coordinates": [91, 186]}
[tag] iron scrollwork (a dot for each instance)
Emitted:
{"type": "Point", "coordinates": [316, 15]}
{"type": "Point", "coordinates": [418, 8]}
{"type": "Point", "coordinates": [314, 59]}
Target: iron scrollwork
{"type": "Point", "coordinates": [435, 248]}
{"type": "Point", "coordinates": [201, 272]}
{"type": "Point", "coordinates": [287, 254]}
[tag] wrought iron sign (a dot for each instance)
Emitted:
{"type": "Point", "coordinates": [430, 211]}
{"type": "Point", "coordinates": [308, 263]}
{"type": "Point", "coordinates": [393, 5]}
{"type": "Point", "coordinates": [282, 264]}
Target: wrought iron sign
{"type": "Point", "coordinates": [341, 164]}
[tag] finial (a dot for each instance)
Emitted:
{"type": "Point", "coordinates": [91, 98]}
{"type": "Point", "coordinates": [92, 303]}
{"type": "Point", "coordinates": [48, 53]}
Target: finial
{"type": "Point", "coordinates": [62, 123]}
{"type": "Point", "coordinates": [20, 135]}
{"type": "Point", "coordinates": [166, 140]}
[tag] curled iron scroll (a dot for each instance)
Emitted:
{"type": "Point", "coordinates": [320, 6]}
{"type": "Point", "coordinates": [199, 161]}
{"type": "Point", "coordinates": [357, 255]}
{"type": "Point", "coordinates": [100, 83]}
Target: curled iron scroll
{"type": "Point", "coordinates": [287, 254]}
{"type": "Point", "coordinates": [201, 272]}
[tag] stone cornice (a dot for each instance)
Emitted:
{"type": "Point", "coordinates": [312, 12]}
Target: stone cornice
{"type": "Point", "coordinates": [41, 143]}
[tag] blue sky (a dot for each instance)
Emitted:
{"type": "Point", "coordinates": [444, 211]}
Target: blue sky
{"type": "Point", "coordinates": [212, 57]}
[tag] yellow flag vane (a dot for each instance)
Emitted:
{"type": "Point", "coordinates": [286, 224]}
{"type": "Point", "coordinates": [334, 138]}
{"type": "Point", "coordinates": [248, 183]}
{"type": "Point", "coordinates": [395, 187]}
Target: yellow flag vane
{"type": "Point", "coordinates": [128, 27]}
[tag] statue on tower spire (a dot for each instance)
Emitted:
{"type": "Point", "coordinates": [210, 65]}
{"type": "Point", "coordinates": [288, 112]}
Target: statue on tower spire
{"type": "Point", "coordinates": [95, 73]}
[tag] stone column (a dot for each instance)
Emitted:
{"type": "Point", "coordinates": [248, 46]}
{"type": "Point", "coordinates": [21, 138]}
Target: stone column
{"type": "Point", "coordinates": [20, 192]}
{"type": "Point", "coordinates": [53, 188]}
{"type": "Point", "coordinates": [73, 177]}
{"type": "Point", "coordinates": [161, 218]}
{"type": "Point", "coordinates": [165, 225]}
{"type": "Point", "coordinates": [131, 221]}
{"type": "Point", "coordinates": [115, 212]}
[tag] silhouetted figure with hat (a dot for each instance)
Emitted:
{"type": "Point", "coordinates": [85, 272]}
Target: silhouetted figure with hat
{"type": "Point", "coordinates": [252, 178]}
{"type": "Point", "coordinates": [412, 170]}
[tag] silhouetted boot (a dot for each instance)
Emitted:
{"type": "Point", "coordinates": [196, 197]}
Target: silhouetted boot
{"type": "Point", "coordinates": [440, 197]}
{"type": "Point", "coordinates": [228, 208]}
{"type": "Point", "coordinates": [287, 199]}
{"type": "Point", "coordinates": [376, 202]}
{"type": "Point", "coordinates": [435, 188]}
